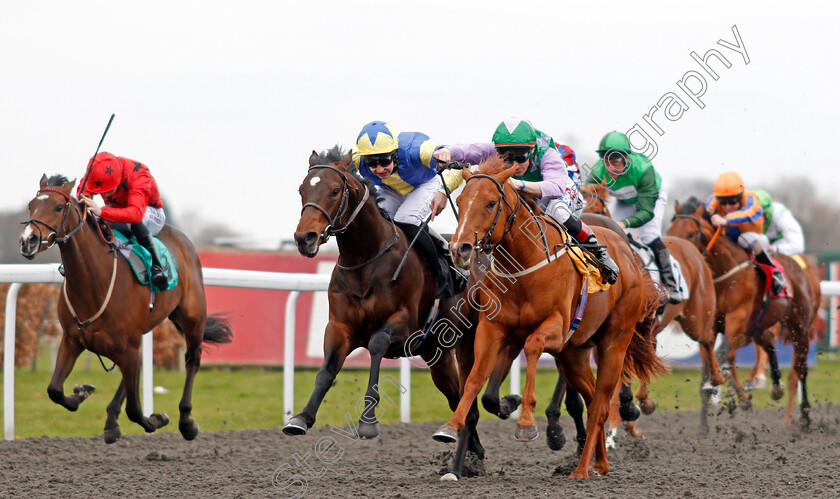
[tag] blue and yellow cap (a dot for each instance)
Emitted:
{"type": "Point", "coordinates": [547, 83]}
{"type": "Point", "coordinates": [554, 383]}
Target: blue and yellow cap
{"type": "Point", "coordinates": [377, 137]}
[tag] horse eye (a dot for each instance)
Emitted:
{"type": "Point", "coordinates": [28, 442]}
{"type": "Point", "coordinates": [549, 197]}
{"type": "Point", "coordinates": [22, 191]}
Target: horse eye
{"type": "Point", "coordinates": [59, 208]}
{"type": "Point", "coordinates": [335, 192]}
{"type": "Point", "coordinates": [491, 204]}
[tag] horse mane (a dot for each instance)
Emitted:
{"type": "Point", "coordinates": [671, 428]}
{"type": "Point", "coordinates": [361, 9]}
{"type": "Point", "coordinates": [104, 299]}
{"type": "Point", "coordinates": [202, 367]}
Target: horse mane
{"type": "Point", "coordinates": [335, 154]}
{"type": "Point", "coordinates": [57, 180]}
{"type": "Point", "coordinates": [691, 205]}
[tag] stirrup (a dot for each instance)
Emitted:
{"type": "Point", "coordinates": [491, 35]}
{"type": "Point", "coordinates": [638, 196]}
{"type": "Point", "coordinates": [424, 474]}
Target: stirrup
{"type": "Point", "coordinates": [158, 277]}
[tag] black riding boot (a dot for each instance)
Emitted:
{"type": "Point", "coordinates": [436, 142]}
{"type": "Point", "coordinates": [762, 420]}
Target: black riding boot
{"type": "Point", "coordinates": [584, 235]}
{"type": "Point", "coordinates": [144, 237]}
{"type": "Point", "coordinates": [440, 269]}
{"type": "Point", "coordinates": [663, 261]}
{"type": "Point", "coordinates": [778, 284]}
{"type": "Point", "coordinates": [459, 278]}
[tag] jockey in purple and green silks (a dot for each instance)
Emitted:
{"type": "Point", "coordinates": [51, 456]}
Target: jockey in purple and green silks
{"type": "Point", "coordinates": [403, 169]}
{"type": "Point", "coordinates": [540, 171]}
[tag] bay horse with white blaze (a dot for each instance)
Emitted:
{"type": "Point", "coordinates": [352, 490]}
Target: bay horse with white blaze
{"type": "Point", "coordinates": [537, 308]}
{"type": "Point", "coordinates": [104, 309]}
{"type": "Point", "coordinates": [369, 310]}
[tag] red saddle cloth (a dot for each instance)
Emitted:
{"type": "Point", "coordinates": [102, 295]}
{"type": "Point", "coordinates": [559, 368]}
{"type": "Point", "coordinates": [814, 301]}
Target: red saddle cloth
{"type": "Point", "coordinates": [768, 278]}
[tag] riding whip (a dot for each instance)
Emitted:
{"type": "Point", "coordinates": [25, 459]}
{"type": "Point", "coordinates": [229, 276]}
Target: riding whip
{"type": "Point", "coordinates": [90, 164]}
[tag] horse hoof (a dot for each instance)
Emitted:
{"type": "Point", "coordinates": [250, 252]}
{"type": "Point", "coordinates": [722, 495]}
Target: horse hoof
{"type": "Point", "coordinates": [295, 426]}
{"type": "Point", "coordinates": [189, 430]}
{"type": "Point", "coordinates": [449, 477]}
{"type": "Point", "coordinates": [160, 420]}
{"type": "Point", "coordinates": [526, 433]}
{"type": "Point", "coordinates": [446, 435]}
{"type": "Point", "coordinates": [777, 392]}
{"type": "Point", "coordinates": [609, 442]}
{"type": "Point", "coordinates": [708, 387]}
{"type": "Point", "coordinates": [629, 412]}
{"type": "Point", "coordinates": [509, 404]}
{"type": "Point", "coordinates": [368, 430]}
{"type": "Point", "coordinates": [555, 436]}
{"type": "Point", "coordinates": [649, 406]}
{"type": "Point", "coordinates": [83, 391]}
{"type": "Point", "coordinates": [112, 435]}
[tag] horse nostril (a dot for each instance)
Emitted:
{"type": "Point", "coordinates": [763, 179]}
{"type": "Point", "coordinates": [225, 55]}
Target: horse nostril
{"type": "Point", "coordinates": [310, 238]}
{"type": "Point", "coordinates": [465, 250]}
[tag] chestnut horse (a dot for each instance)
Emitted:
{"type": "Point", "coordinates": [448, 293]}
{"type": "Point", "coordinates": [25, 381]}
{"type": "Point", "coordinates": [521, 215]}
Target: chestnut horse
{"type": "Point", "coordinates": [695, 314]}
{"type": "Point", "coordinates": [367, 308]}
{"type": "Point", "coordinates": [741, 306]}
{"type": "Point", "coordinates": [535, 308]}
{"type": "Point", "coordinates": [104, 309]}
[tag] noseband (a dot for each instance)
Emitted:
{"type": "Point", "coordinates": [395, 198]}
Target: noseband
{"type": "Point", "coordinates": [330, 229]}
{"type": "Point", "coordinates": [593, 194]}
{"type": "Point", "coordinates": [56, 230]}
{"type": "Point", "coordinates": [480, 245]}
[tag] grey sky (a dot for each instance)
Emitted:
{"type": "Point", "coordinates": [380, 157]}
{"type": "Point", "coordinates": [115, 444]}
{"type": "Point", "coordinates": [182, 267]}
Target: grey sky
{"type": "Point", "coordinates": [225, 100]}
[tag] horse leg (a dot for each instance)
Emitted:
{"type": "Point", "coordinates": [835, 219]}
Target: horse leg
{"type": "Point", "coordinates": [112, 428]}
{"type": "Point", "coordinates": [765, 340]}
{"type": "Point", "coordinates": [68, 352]}
{"type": "Point", "coordinates": [490, 400]}
{"type": "Point", "coordinates": [129, 362]}
{"type": "Point", "coordinates": [629, 411]}
{"type": "Point", "coordinates": [614, 420]}
{"type": "Point", "coordinates": [799, 373]}
{"type": "Point", "coordinates": [705, 396]}
{"type": "Point", "coordinates": [554, 433]}
{"type": "Point", "coordinates": [756, 377]}
{"type": "Point", "coordinates": [526, 427]}
{"type": "Point", "coordinates": [336, 349]}
{"type": "Point", "coordinates": [378, 346]}
{"type": "Point", "coordinates": [578, 374]}
{"type": "Point", "coordinates": [488, 344]}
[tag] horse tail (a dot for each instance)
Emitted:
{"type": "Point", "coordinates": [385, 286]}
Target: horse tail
{"type": "Point", "coordinates": [641, 361]}
{"type": "Point", "coordinates": [217, 329]}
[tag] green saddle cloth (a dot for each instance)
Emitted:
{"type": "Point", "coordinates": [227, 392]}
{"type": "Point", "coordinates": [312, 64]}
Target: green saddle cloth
{"type": "Point", "coordinates": [140, 260]}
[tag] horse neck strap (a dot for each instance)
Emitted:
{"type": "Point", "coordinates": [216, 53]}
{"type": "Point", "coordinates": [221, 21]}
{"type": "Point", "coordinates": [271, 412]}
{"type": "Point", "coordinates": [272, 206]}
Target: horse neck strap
{"type": "Point", "coordinates": [533, 268]}
{"type": "Point", "coordinates": [729, 273]}
{"type": "Point", "coordinates": [82, 325]}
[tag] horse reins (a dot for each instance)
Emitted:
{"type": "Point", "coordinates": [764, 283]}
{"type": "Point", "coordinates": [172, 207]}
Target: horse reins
{"type": "Point", "coordinates": [330, 229]}
{"type": "Point", "coordinates": [480, 245]}
{"type": "Point", "coordinates": [56, 230]}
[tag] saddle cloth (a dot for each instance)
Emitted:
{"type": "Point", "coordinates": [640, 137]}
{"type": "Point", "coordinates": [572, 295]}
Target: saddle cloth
{"type": "Point", "coordinates": [646, 254]}
{"type": "Point", "coordinates": [140, 260]}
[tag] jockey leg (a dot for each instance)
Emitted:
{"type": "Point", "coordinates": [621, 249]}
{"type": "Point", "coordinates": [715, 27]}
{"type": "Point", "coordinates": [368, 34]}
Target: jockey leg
{"type": "Point", "coordinates": [426, 248]}
{"type": "Point", "coordinates": [144, 237]}
{"type": "Point", "coordinates": [663, 261]}
{"type": "Point", "coordinates": [584, 235]}
{"type": "Point", "coordinates": [778, 284]}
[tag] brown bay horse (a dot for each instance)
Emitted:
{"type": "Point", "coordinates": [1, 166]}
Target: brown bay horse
{"type": "Point", "coordinates": [741, 308]}
{"type": "Point", "coordinates": [536, 308]}
{"type": "Point", "coordinates": [695, 315]}
{"type": "Point", "coordinates": [104, 309]}
{"type": "Point", "coordinates": [369, 310]}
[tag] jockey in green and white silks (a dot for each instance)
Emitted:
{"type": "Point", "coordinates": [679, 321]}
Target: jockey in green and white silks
{"type": "Point", "coordinates": [540, 171]}
{"type": "Point", "coordinates": [638, 199]}
{"type": "Point", "coordinates": [403, 169]}
{"type": "Point", "coordinates": [782, 229]}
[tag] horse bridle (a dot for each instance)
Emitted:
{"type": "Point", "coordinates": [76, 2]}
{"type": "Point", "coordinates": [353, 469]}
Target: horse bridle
{"type": "Point", "coordinates": [480, 245]}
{"type": "Point", "coordinates": [597, 196]}
{"type": "Point", "coordinates": [56, 230]}
{"type": "Point", "coordinates": [330, 229]}
{"type": "Point", "coordinates": [697, 242]}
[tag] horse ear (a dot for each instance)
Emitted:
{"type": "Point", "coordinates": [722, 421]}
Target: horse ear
{"type": "Point", "coordinates": [344, 162]}
{"type": "Point", "coordinates": [43, 180]}
{"type": "Point", "coordinates": [68, 187]}
{"type": "Point", "coordinates": [467, 173]}
{"type": "Point", "coordinates": [506, 174]}
{"type": "Point", "coordinates": [313, 158]}
{"type": "Point", "coordinates": [676, 206]}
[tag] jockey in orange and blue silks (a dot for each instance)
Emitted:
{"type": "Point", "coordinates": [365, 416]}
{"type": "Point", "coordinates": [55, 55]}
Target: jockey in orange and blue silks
{"type": "Point", "coordinates": [739, 212]}
{"type": "Point", "coordinates": [404, 171]}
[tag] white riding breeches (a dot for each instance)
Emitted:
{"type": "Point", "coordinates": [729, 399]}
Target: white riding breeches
{"type": "Point", "coordinates": [414, 207]}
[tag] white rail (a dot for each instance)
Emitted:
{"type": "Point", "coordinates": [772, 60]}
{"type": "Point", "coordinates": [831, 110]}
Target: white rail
{"type": "Point", "coordinates": [297, 283]}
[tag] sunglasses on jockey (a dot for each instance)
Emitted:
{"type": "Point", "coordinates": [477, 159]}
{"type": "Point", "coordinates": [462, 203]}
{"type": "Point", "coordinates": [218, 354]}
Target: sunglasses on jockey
{"type": "Point", "coordinates": [375, 160]}
{"type": "Point", "coordinates": [514, 154]}
{"type": "Point", "coordinates": [729, 200]}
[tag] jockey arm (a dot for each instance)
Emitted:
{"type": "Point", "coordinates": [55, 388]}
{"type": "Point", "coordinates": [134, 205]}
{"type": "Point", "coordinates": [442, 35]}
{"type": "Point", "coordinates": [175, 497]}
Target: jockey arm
{"type": "Point", "coordinates": [792, 240]}
{"type": "Point", "coordinates": [646, 198]}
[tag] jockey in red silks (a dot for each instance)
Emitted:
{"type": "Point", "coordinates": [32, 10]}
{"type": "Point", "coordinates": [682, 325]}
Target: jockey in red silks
{"type": "Point", "coordinates": [132, 202]}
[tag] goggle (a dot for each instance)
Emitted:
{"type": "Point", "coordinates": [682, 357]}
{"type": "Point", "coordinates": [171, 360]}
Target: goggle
{"type": "Point", "coordinates": [728, 201]}
{"type": "Point", "coordinates": [514, 155]}
{"type": "Point", "coordinates": [379, 160]}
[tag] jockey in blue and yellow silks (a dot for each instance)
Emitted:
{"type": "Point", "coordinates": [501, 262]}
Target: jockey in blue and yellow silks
{"type": "Point", "coordinates": [404, 171]}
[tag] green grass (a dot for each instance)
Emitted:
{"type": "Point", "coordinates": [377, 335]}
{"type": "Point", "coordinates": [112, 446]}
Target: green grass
{"type": "Point", "coordinates": [234, 399]}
